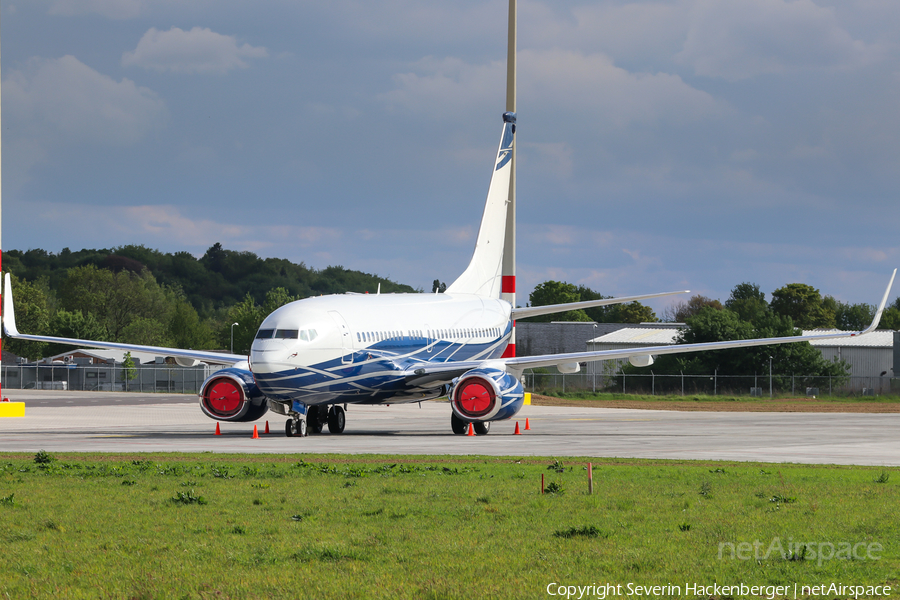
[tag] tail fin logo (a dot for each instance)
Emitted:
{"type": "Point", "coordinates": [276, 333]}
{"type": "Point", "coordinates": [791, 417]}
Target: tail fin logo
{"type": "Point", "coordinates": [509, 130]}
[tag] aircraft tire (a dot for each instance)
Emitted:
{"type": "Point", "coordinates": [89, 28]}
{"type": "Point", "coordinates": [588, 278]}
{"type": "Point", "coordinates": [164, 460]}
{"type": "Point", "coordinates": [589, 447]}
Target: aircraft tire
{"type": "Point", "coordinates": [482, 427]}
{"type": "Point", "coordinates": [458, 426]}
{"type": "Point", "coordinates": [337, 420]}
{"type": "Point", "coordinates": [301, 428]}
{"type": "Point", "coordinates": [315, 423]}
{"type": "Point", "coordinates": [289, 428]}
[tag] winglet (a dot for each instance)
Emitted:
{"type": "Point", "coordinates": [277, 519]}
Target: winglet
{"type": "Point", "coordinates": [9, 315]}
{"type": "Point", "coordinates": [881, 306]}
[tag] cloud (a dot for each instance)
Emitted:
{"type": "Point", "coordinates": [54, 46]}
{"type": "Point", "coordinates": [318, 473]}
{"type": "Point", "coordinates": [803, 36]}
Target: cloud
{"type": "Point", "coordinates": [199, 50]}
{"type": "Point", "coordinates": [567, 80]}
{"type": "Point", "coordinates": [739, 39]}
{"type": "Point", "coordinates": [111, 9]}
{"type": "Point", "coordinates": [573, 81]}
{"type": "Point", "coordinates": [167, 226]}
{"type": "Point", "coordinates": [65, 95]}
{"type": "Point", "coordinates": [448, 85]}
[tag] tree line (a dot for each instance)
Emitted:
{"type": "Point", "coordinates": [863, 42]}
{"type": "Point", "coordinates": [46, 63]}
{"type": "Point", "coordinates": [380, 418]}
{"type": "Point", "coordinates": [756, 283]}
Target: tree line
{"type": "Point", "coordinates": [133, 294]}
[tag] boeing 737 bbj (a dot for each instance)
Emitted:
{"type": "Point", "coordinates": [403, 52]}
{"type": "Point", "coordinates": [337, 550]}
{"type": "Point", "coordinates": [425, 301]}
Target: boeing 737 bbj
{"type": "Point", "coordinates": [313, 357]}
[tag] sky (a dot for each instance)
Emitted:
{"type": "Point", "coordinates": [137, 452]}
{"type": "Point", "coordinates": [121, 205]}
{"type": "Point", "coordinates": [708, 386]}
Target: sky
{"type": "Point", "coordinates": [693, 144]}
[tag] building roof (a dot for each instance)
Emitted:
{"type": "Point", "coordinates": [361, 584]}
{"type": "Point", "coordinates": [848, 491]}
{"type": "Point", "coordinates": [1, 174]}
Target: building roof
{"type": "Point", "coordinates": [119, 355]}
{"type": "Point", "coordinates": [882, 338]}
{"type": "Point", "coordinates": [642, 336]}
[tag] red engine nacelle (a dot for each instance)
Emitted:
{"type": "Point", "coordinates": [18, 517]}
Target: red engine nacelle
{"type": "Point", "coordinates": [474, 397]}
{"type": "Point", "coordinates": [486, 394]}
{"type": "Point", "coordinates": [228, 396]}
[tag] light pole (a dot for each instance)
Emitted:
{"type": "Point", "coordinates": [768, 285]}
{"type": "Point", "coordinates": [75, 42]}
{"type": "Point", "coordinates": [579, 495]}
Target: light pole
{"type": "Point", "coordinates": [594, 363]}
{"type": "Point", "coordinates": [232, 336]}
{"type": "Point", "coordinates": [770, 377]}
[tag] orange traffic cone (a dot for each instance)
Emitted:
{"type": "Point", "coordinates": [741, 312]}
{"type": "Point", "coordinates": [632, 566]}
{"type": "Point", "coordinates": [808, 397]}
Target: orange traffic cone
{"type": "Point", "coordinates": [517, 432]}
{"type": "Point", "coordinates": [255, 433]}
{"type": "Point", "coordinates": [267, 427]}
{"type": "Point", "coordinates": [218, 431]}
{"type": "Point", "coordinates": [471, 430]}
{"type": "Point", "coordinates": [527, 426]}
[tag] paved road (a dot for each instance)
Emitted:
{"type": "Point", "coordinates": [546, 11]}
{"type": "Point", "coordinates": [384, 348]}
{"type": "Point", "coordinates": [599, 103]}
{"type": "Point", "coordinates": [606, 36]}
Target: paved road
{"type": "Point", "coordinates": [119, 422]}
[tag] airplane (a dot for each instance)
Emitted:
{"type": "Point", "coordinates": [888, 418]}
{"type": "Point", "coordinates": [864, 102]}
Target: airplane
{"type": "Point", "coordinates": [312, 358]}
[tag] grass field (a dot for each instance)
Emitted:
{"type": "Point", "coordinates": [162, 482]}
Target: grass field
{"type": "Point", "coordinates": [213, 526]}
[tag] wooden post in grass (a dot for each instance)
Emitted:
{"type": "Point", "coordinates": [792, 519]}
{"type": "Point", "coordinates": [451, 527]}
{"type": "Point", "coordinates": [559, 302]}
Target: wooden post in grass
{"type": "Point", "coordinates": [590, 478]}
{"type": "Point", "coordinates": [542, 484]}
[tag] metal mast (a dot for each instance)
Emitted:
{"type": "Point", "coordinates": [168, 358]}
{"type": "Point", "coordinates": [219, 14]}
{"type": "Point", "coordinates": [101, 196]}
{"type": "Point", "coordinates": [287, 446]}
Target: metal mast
{"type": "Point", "coordinates": [509, 245]}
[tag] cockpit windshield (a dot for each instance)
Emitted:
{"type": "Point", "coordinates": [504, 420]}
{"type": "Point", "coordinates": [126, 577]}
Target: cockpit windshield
{"type": "Point", "coordinates": [306, 335]}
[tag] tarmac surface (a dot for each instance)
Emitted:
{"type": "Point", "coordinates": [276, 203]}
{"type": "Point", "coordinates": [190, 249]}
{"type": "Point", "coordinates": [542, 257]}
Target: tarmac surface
{"type": "Point", "coordinates": [64, 421]}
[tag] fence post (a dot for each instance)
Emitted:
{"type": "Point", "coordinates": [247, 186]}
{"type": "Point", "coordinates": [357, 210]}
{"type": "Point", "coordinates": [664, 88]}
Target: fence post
{"type": "Point", "coordinates": [682, 382]}
{"type": "Point", "coordinates": [624, 375]}
{"type": "Point", "coordinates": [716, 382]}
{"type": "Point", "coordinates": [652, 383]}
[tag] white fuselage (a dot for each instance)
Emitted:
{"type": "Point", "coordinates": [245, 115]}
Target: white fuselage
{"type": "Point", "coordinates": [319, 349]}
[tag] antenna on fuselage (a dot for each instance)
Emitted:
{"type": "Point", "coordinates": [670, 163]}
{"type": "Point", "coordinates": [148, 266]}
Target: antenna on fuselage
{"type": "Point", "coordinates": [508, 270]}
{"type": "Point", "coordinates": [379, 289]}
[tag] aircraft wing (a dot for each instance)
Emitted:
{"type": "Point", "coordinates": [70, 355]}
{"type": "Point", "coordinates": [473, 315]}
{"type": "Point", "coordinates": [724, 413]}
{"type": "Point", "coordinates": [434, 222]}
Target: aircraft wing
{"type": "Point", "coordinates": [436, 373]}
{"type": "Point", "coordinates": [549, 309]}
{"type": "Point", "coordinates": [547, 360]}
{"type": "Point", "coordinates": [9, 328]}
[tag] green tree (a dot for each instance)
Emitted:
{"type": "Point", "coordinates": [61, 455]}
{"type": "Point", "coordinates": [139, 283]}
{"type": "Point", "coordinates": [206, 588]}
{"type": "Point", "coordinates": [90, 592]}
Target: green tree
{"type": "Point", "coordinates": [73, 324]}
{"type": "Point", "coordinates": [890, 318]}
{"type": "Point", "coordinates": [249, 316]}
{"type": "Point", "coordinates": [186, 330]}
{"type": "Point", "coordinates": [635, 312]}
{"type": "Point", "coordinates": [682, 311]}
{"type": "Point", "coordinates": [117, 300]}
{"type": "Point", "coordinates": [32, 316]}
{"type": "Point", "coordinates": [850, 317]}
{"type": "Point", "coordinates": [556, 292]}
{"type": "Point", "coordinates": [803, 304]}
{"type": "Point", "coordinates": [748, 302]}
{"type": "Point", "coordinates": [129, 371]}
{"type": "Point", "coordinates": [146, 331]}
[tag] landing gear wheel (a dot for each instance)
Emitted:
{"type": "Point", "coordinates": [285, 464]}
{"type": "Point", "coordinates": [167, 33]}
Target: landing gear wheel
{"type": "Point", "coordinates": [301, 428]}
{"type": "Point", "coordinates": [336, 419]}
{"type": "Point", "coordinates": [458, 426]}
{"type": "Point", "coordinates": [482, 427]}
{"type": "Point", "coordinates": [289, 428]}
{"type": "Point", "coordinates": [315, 423]}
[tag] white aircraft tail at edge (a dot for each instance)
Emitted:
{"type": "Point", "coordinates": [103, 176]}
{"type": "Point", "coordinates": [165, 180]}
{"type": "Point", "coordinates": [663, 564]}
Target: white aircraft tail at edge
{"type": "Point", "coordinates": [314, 356]}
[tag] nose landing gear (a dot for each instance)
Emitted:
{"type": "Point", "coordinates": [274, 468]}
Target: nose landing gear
{"type": "Point", "coordinates": [295, 428]}
{"type": "Point", "coordinates": [315, 419]}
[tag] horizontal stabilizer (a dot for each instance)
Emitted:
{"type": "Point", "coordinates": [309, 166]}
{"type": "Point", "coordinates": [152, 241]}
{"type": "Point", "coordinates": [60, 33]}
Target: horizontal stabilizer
{"type": "Point", "coordinates": [549, 309]}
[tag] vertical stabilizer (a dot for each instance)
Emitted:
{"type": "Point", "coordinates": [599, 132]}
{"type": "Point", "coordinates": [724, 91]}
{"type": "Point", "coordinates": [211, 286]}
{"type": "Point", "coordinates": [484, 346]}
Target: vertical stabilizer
{"type": "Point", "coordinates": [483, 275]}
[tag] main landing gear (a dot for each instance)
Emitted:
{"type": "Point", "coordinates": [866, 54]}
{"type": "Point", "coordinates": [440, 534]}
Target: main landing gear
{"type": "Point", "coordinates": [316, 418]}
{"type": "Point", "coordinates": [461, 427]}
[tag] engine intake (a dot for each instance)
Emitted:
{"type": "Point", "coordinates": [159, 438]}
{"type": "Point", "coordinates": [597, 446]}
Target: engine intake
{"type": "Point", "coordinates": [486, 395]}
{"type": "Point", "coordinates": [232, 395]}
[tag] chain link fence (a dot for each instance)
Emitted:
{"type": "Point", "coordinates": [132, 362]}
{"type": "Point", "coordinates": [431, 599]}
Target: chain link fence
{"type": "Point", "coordinates": [715, 384]}
{"type": "Point", "coordinates": [107, 378]}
